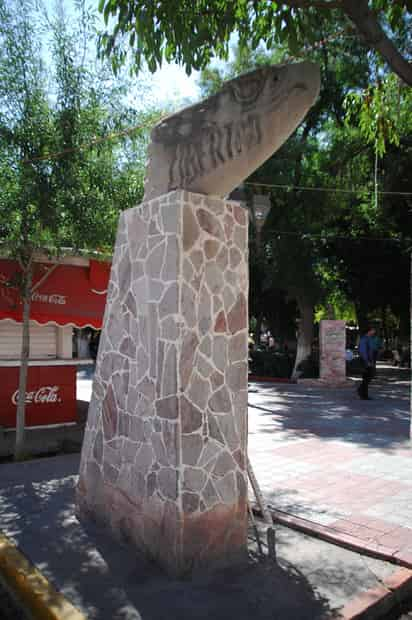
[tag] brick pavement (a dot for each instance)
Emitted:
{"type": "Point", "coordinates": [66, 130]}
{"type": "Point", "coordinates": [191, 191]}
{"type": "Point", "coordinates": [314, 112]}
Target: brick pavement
{"type": "Point", "coordinates": [325, 456]}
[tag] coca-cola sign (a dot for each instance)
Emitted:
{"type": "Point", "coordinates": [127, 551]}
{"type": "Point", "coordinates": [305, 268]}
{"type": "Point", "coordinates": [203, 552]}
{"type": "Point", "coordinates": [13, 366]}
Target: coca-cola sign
{"type": "Point", "coordinates": [43, 395]}
{"type": "Point", "coordinates": [54, 298]}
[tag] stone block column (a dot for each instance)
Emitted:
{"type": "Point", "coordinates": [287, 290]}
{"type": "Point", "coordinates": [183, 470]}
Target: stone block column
{"type": "Point", "coordinates": [332, 346]}
{"type": "Point", "coordinates": [163, 460]}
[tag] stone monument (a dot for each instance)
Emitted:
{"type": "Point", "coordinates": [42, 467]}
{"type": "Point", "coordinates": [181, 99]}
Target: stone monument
{"type": "Point", "coordinates": [211, 147]}
{"type": "Point", "coordinates": [164, 454]}
{"type": "Point", "coordinates": [332, 349]}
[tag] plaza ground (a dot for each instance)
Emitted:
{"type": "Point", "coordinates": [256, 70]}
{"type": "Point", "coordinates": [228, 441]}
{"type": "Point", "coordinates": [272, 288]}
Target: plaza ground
{"type": "Point", "coordinates": [320, 455]}
{"type": "Point", "coordinates": [328, 457]}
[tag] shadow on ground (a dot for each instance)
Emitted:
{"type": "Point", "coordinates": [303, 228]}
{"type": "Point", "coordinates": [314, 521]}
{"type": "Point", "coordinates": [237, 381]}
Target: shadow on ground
{"type": "Point", "coordinates": [109, 581]}
{"type": "Point", "coordinates": [303, 412]}
{"type": "Point", "coordinates": [261, 589]}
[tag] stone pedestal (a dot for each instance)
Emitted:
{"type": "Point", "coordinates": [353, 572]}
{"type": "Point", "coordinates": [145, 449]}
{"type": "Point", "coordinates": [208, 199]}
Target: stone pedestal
{"type": "Point", "coordinates": [163, 459]}
{"type": "Point", "coordinates": [332, 348]}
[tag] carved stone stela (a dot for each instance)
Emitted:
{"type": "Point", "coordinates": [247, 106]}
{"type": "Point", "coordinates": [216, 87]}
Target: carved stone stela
{"type": "Point", "coordinates": [163, 460]}
{"type": "Point", "coordinates": [213, 146]}
{"type": "Point", "coordinates": [332, 344]}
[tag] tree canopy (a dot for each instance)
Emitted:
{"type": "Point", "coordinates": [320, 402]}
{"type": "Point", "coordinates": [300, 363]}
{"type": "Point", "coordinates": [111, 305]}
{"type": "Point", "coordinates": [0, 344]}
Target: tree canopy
{"type": "Point", "coordinates": [71, 151]}
{"type": "Point", "coordinates": [71, 156]}
{"type": "Point", "coordinates": [333, 236]}
{"type": "Point", "coordinates": [193, 33]}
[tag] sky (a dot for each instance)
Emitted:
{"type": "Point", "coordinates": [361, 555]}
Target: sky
{"type": "Point", "coordinates": [172, 80]}
{"type": "Point", "coordinates": [169, 85]}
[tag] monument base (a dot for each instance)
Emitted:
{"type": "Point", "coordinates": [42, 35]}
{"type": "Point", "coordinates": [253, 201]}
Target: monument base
{"type": "Point", "coordinates": [320, 383]}
{"type": "Point", "coordinates": [164, 454]}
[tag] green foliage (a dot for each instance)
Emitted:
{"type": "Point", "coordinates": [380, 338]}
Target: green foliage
{"type": "Point", "coordinates": [193, 33]}
{"type": "Point", "coordinates": [313, 241]}
{"type": "Point", "coordinates": [64, 172]}
{"type": "Point", "coordinates": [382, 112]}
{"type": "Point", "coordinates": [342, 308]}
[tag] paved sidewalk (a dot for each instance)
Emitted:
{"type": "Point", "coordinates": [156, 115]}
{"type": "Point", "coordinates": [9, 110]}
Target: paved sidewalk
{"type": "Point", "coordinates": [312, 580]}
{"type": "Point", "coordinates": [337, 461]}
{"type": "Point", "coordinates": [318, 453]}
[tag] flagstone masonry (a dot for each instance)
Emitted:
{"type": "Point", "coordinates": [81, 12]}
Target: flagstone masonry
{"type": "Point", "coordinates": [163, 459]}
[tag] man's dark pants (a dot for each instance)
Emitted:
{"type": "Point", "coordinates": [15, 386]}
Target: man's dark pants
{"type": "Point", "coordinates": [367, 376]}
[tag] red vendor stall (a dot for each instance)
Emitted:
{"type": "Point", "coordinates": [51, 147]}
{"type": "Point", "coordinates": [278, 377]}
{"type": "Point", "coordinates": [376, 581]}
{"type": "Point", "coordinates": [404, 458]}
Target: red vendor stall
{"type": "Point", "coordinates": [71, 294]}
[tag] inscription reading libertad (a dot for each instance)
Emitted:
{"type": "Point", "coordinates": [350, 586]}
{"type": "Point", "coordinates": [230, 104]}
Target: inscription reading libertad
{"type": "Point", "coordinates": [214, 146]}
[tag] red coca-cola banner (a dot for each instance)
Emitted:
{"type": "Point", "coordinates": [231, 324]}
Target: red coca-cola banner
{"type": "Point", "coordinates": [50, 395]}
{"type": "Point", "coordinates": [69, 294]}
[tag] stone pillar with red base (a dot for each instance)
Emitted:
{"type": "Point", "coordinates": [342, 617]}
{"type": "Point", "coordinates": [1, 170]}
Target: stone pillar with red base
{"type": "Point", "coordinates": [332, 348]}
{"type": "Point", "coordinates": [164, 455]}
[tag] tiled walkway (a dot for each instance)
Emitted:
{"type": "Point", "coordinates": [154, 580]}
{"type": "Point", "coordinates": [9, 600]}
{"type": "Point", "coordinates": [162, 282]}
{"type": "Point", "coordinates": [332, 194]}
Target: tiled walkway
{"type": "Point", "coordinates": [325, 456]}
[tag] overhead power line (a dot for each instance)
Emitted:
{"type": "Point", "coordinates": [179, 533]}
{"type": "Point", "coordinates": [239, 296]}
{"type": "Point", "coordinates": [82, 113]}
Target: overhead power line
{"type": "Point", "coordinates": [327, 236]}
{"type": "Point", "coordinates": [86, 145]}
{"type": "Point", "coordinates": [334, 190]}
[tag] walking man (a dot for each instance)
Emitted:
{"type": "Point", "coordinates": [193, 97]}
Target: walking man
{"type": "Point", "coordinates": [366, 353]}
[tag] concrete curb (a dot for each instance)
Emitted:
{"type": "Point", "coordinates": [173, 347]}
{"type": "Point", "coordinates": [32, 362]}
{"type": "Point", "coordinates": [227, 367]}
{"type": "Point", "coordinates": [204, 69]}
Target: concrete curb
{"type": "Point", "coordinates": [373, 550]}
{"type": "Point", "coordinates": [264, 379]}
{"type": "Point", "coordinates": [377, 602]}
{"type": "Point", "coordinates": [324, 384]}
{"type": "Point", "coordinates": [30, 588]}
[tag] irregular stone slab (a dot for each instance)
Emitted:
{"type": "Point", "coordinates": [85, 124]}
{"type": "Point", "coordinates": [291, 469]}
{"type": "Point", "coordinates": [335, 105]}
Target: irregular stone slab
{"type": "Point", "coordinates": [191, 417]}
{"type": "Point", "coordinates": [221, 325]}
{"type": "Point", "coordinates": [165, 418]}
{"type": "Point", "coordinates": [220, 401]}
{"type": "Point", "coordinates": [237, 317]}
{"type": "Point", "coordinates": [211, 248]}
{"type": "Point", "coordinates": [190, 229]}
{"type": "Point", "coordinates": [212, 146]}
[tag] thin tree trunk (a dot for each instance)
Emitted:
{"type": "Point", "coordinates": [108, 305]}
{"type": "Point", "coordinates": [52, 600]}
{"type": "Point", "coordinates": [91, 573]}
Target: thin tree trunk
{"type": "Point", "coordinates": [19, 451]}
{"type": "Point", "coordinates": [384, 329]}
{"type": "Point", "coordinates": [330, 312]}
{"type": "Point", "coordinates": [305, 335]}
{"type": "Point", "coordinates": [258, 329]}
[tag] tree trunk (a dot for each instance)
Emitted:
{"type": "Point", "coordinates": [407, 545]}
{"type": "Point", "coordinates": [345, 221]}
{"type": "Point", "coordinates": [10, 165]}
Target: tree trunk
{"type": "Point", "coordinates": [385, 337]}
{"type": "Point", "coordinates": [258, 329]}
{"type": "Point", "coordinates": [19, 451]}
{"type": "Point", "coordinates": [375, 36]}
{"type": "Point", "coordinates": [305, 335]}
{"type": "Point", "coordinates": [362, 318]}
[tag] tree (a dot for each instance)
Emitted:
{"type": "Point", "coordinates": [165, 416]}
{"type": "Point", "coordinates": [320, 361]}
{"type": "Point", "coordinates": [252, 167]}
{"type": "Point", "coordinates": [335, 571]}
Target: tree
{"type": "Point", "coordinates": [192, 33]}
{"type": "Point", "coordinates": [292, 262]}
{"type": "Point", "coordinates": [62, 179]}
{"type": "Point", "coordinates": [313, 241]}
{"type": "Point", "coordinates": [372, 231]}
{"type": "Point", "coordinates": [382, 112]}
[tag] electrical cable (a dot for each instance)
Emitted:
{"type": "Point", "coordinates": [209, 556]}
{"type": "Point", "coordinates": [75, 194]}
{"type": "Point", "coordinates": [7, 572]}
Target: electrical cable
{"type": "Point", "coordinates": [325, 189]}
{"type": "Point", "coordinates": [328, 237]}
{"type": "Point", "coordinates": [91, 144]}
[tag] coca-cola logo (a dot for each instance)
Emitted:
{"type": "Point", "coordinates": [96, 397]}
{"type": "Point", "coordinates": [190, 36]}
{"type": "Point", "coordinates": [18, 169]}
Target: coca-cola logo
{"type": "Point", "coordinates": [44, 395]}
{"type": "Point", "coordinates": [49, 299]}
